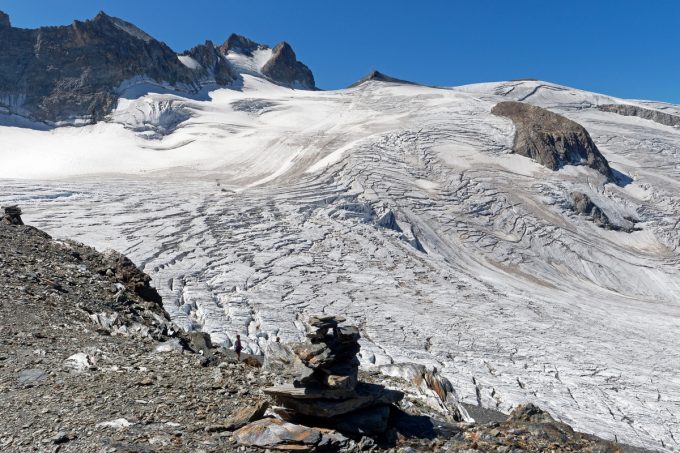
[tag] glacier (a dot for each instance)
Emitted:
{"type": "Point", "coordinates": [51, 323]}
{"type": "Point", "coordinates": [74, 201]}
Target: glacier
{"type": "Point", "coordinates": [401, 207]}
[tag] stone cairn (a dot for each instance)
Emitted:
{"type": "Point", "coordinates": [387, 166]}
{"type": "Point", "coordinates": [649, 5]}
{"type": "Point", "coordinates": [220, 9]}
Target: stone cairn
{"type": "Point", "coordinates": [12, 215]}
{"type": "Point", "coordinates": [326, 391]}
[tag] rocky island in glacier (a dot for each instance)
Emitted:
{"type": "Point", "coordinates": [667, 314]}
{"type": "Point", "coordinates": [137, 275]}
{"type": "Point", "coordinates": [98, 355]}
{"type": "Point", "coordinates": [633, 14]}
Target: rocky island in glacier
{"type": "Point", "coordinates": [494, 249]}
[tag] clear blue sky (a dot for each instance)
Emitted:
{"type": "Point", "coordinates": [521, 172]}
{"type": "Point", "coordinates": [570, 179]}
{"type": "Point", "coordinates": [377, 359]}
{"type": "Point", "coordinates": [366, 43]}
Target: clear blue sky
{"type": "Point", "coordinates": [624, 48]}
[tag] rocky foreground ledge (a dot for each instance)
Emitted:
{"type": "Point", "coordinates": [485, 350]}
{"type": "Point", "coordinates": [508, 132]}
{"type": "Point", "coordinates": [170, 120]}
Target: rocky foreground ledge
{"type": "Point", "coordinates": [89, 361]}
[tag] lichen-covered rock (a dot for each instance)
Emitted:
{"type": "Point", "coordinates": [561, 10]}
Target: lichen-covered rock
{"type": "Point", "coordinates": [551, 139]}
{"type": "Point", "coordinates": [283, 67]}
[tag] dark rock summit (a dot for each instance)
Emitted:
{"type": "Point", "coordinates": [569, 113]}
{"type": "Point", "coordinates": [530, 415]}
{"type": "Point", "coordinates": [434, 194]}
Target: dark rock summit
{"type": "Point", "coordinates": [69, 73]}
{"type": "Point", "coordinates": [212, 63]}
{"type": "Point", "coordinates": [4, 20]}
{"type": "Point", "coordinates": [648, 114]}
{"type": "Point", "coordinates": [551, 139]}
{"type": "Point", "coordinates": [379, 77]}
{"type": "Point", "coordinates": [240, 44]}
{"type": "Point", "coordinates": [283, 67]}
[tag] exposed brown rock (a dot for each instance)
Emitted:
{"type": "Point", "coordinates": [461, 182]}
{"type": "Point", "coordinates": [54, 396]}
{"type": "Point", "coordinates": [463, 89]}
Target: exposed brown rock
{"type": "Point", "coordinates": [279, 435]}
{"type": "Point", "coordinates": [551, 139]}
{"type": "Point", "coordinates": [246, 415]}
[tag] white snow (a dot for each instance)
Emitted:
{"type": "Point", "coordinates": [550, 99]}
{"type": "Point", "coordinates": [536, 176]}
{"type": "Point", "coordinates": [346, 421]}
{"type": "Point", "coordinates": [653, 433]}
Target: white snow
{"type": "Point", "coordinates": [253, 205]}
{"type": "Point", "coordinates": [189, 62]}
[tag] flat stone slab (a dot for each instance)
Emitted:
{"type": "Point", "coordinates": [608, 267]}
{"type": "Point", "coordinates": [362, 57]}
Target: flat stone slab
{"type": "Point", "coordinates": [290, 391]}
{"type": "Point", "coordinates": [276, 434]}
{"type": "Point", "coordinates": [302, 402]}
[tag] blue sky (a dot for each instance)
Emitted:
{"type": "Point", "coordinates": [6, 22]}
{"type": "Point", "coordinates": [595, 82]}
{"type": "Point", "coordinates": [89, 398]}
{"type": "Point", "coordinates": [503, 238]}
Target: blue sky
{"type": "Point", "coordinates": [624, 48]}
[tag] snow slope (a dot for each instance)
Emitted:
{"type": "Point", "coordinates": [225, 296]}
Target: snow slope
{"type": "Point", "coordinates": [401, 207]}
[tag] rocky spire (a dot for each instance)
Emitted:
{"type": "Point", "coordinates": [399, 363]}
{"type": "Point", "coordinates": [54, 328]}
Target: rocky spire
{"type": "Point", "coordinates": [283, 67]}
{"type": "Point", "coordinates": [240, 44]}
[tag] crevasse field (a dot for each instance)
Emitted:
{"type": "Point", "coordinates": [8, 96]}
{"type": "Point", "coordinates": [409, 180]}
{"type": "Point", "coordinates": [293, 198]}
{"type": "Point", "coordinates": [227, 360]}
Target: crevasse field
{"type": "Point", "coordinates": [401, 207]}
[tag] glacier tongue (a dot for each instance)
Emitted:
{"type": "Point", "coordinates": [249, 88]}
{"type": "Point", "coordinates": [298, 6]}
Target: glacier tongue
{"type": "Point", "coordinates": [401, 208]}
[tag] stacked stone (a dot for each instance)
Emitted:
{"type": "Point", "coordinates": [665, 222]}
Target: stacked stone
{"type": "Point", "coordinates": [326, 391]}
{"type": "Point", "coordinates": [13, 215]}
{"type": "Point", "coordinates": [329, 358]}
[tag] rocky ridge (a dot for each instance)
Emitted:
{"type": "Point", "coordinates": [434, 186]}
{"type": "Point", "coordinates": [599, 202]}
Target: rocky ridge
{"type": "Point", "coordinates": [648, 114]}
{"type": "Point", "coordinates": [551, 139]}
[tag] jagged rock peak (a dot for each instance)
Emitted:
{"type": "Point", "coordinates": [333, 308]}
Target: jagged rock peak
{"type": "Point", "coordinates": [283, 67]}
{"type": "Point", "coordinates": [120, 24]}
{"type": "Point", "coordinates": [4, 20]}
{"type": "Point", "coordinates": [240, 44]}
{"type": "Point", "coordinates": [206, 59]}
{"type": "Point", "coordinates": [379, 77]}
{"type": "Point", "coordinates": [95, 58]}
{"type": "Point", "coordinates": [551, 139]}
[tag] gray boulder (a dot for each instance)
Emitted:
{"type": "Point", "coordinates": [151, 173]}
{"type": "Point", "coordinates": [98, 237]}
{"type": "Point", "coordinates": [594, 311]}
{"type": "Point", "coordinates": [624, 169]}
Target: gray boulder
{"type": "Point", "coordinates": [551, 139]}
{"type": "Point", "coordinates": [378, 76]}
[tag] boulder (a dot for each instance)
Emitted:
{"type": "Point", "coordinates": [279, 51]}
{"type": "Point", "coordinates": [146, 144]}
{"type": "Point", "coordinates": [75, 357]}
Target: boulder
{"type": "Point", "coordinates": [12, 215]}
{"type": "Point", "coordinates": [551, 139]}
{"type": "Point", "coordinates": [31, 376]}
{"type": "Point", "coordinates": [277, 434]}
{"type": "Point", "coordinates": [431, 387]}
{"type": "Point", "coordinates": [200, 342]}
{"type": "Point", "coordinates": [582, 204]}
{"type": "Point", "coordinates": [246, 415]}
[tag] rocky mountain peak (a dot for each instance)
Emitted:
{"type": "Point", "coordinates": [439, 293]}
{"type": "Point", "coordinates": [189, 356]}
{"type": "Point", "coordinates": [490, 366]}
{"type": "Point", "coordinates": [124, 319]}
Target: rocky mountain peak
{"type": "Point", "coordinates": [210, 62]}
{"type": "Point", "coordinates": [379, 77]}
{"type": "Point", "coordinates": [283, 67]}
{"type": "Point", "coordinates": [4, 20]}
{"type": "Point", "coordinates": [93, 58]}
{"type": "Point", "coordinates": [240, 44]}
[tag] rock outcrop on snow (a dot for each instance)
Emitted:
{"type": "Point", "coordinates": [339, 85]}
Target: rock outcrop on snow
{"type": "Point", "coordinates": [657, 116]}
{"type": "Point", "coordinates": [379, 77]}
{"type": "Point", "coordinates": [551, 139]}
{"type": "Point", "coordinates": [284, 68]}
{"type": "Point", "coordinates": [583, 205]}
